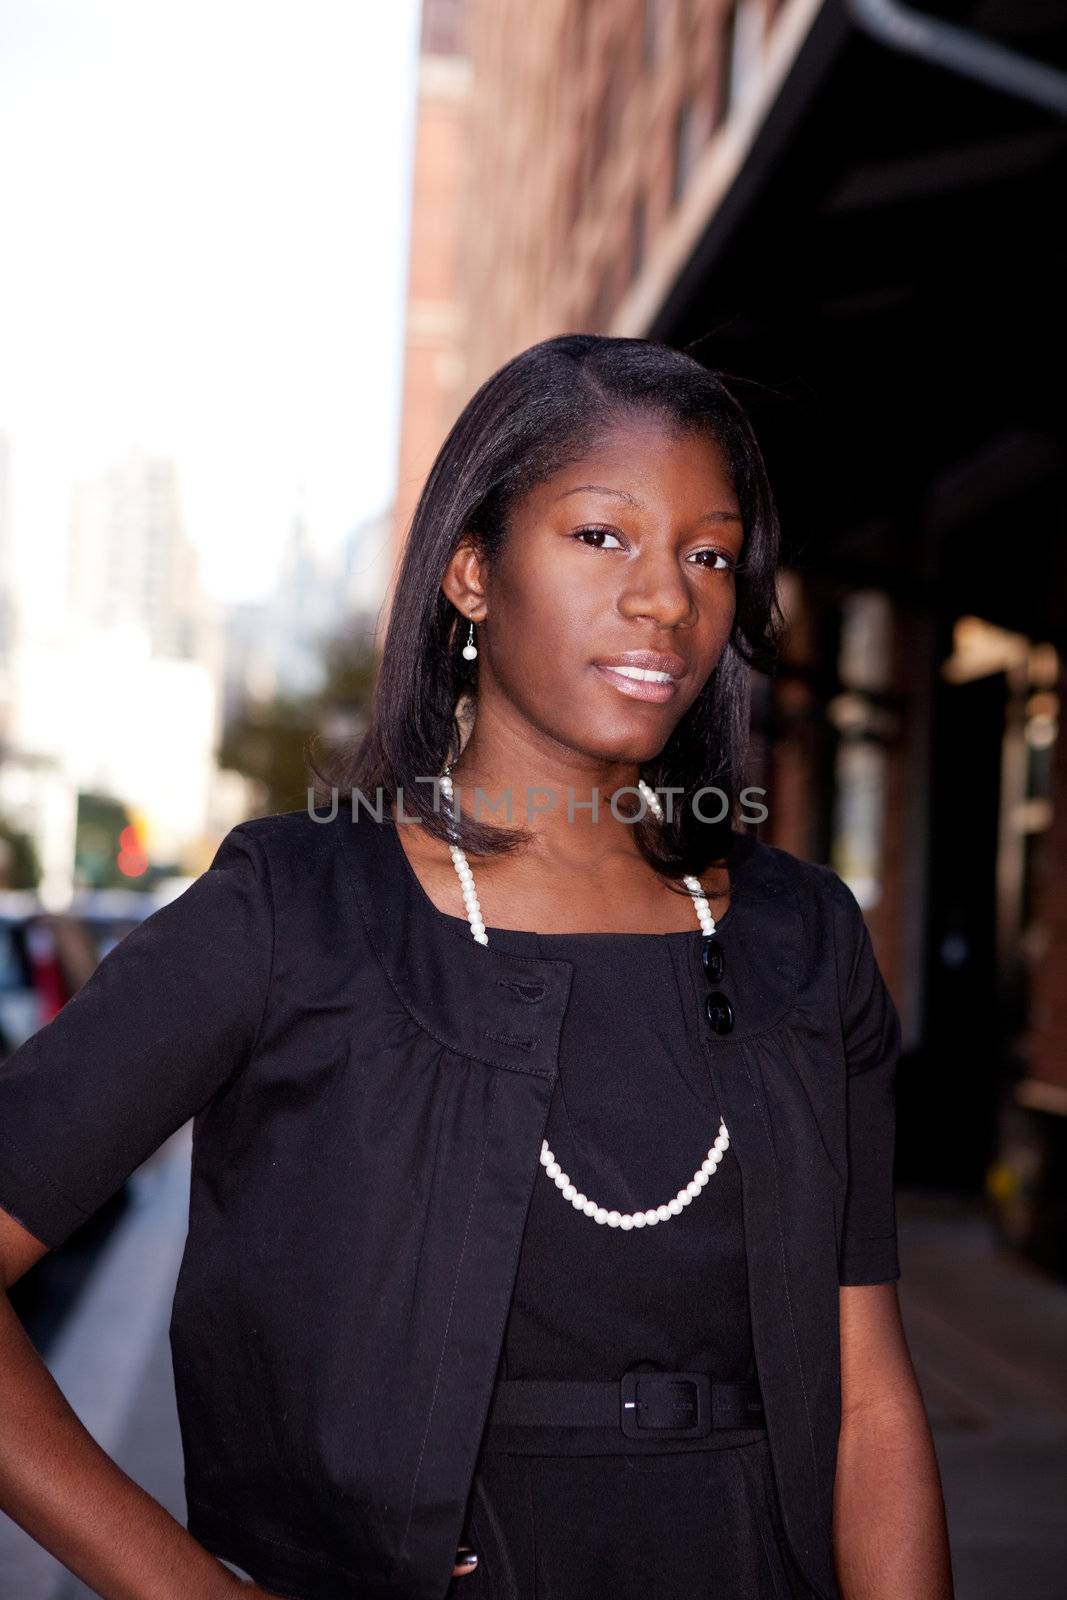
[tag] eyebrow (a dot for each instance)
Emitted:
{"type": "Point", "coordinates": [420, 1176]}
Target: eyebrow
{"type": "Point", "coordinates": [621, 494]}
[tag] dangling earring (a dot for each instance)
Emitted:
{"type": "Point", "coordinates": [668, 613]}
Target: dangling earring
{"type": "Point", "coordinates": [470, 649]}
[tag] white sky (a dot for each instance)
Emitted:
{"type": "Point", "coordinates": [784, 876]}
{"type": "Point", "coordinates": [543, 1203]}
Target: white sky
{"type": "Point", "coordinates": [204, 224]}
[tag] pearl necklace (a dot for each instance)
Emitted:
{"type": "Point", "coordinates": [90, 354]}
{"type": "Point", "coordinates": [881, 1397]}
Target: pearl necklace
{"type": "Point", "coordinates": [688, 1193]}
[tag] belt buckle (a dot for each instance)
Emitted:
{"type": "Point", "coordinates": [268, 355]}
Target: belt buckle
{"type": "Point", "coordinates": [681, 1392]}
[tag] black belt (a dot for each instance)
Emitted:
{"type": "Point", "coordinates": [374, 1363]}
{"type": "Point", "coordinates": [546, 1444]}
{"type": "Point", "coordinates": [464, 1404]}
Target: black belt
{"type": "Point", "coordinates": [661, 1405]}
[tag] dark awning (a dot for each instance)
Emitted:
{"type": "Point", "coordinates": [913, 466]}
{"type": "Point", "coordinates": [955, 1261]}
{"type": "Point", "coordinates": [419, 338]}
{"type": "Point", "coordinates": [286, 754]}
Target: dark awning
{"type": "Point", "coordinates": [887, 269]}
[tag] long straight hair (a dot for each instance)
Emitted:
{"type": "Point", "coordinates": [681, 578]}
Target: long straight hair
{"type": "Point", "coordinates": [542, 411]}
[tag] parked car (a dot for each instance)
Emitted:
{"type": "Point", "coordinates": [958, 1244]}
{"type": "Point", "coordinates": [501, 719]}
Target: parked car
{"type": "Point", "coordinates": [46, 956]}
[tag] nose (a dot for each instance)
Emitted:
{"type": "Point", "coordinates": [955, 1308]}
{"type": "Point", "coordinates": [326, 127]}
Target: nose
{"type": "Point", "coordinates": [656, 589]}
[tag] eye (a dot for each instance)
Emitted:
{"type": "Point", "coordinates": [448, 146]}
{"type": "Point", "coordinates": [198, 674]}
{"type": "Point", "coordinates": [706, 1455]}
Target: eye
{"type": "Point", "coordinates": [603, 533]}
{"type": "Point", "coordinates": [730, 565]}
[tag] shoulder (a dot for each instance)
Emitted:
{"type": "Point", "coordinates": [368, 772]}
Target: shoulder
{"type": "Point", "coordinates": [291, 860]}
{"type": "Point", "coordinates": [767, 868]}
{"type": "Point", "coordinates": [833, 920]}
{"type": "Point", "coordinates": [285, 835]}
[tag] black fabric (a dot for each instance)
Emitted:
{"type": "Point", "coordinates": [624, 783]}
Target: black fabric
{"type": "Point", "coordinates": [660, 1527]}
{"type": "Point", "coordinates": [369, 1093]}
{"type": "Point", "coordinates": [632, 1117]}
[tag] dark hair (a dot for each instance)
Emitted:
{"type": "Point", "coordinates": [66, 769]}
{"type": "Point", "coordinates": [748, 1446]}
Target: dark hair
{"type": "Point", "coordinates": [542, 410]}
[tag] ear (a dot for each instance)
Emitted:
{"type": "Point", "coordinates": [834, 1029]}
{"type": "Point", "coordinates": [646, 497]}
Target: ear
{"type": "Point", "coordinates": [464, 582]}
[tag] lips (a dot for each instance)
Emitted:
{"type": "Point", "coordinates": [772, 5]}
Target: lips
{"type": "Point", "coordinates": [658, 661]}
{"type": "Point", "coordinates": [657, 689]}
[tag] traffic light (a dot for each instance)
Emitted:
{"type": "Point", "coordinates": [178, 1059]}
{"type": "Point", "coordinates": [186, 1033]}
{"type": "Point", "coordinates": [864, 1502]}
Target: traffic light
{"type": "Point", "coordinates": [132, 856]}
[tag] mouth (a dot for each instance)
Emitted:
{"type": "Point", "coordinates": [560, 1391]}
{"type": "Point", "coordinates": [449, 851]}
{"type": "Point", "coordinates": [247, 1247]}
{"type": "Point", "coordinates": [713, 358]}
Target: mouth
{"type": "Point", "coordinates": [640, 683]}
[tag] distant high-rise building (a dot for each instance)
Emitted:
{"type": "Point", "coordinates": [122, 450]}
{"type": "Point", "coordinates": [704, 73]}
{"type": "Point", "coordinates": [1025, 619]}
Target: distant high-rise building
{"type": "Point", "coordinates": [278, 645]}
{"type": "Point", "coordinates": [130, 559]}
{"type": "Point", "coordinates": [366, 566]}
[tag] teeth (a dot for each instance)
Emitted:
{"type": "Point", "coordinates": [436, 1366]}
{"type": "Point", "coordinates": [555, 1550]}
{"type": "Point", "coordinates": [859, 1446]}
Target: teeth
{"type": "Point", "coordinates": [641, 672]}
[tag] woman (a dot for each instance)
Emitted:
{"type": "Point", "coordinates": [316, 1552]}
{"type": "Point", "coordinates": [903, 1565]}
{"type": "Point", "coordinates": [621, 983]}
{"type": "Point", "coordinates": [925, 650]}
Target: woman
{"type": "Point", "coordinates": [541, 1238]}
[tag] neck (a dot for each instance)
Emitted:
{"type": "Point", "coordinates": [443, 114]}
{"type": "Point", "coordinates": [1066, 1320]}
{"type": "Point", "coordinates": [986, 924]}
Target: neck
{"type": "Point", "coordinates": [566, 805]}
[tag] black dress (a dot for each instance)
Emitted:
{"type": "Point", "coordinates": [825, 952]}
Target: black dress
{"type": "Point", "coordinates": [574, 1513]}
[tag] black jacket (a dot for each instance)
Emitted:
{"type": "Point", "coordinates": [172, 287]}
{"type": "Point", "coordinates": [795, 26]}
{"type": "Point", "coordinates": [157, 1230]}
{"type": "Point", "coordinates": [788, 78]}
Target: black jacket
{"type": "Point", "coordinates": [370, 1094]}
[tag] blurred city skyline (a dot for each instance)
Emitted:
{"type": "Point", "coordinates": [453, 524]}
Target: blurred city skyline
{"type": "Point", "coordinates": [206, 219]}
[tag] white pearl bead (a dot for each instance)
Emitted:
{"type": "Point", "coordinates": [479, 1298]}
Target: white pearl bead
{"type": "Point", "coordinates": [692, 1189]}
{"type": "Point", "coordinates": [600, 1215]}
{"type": "Point", "coordinates": [675, 1207]}
{"type": "Point", "coordinates": [569, 1191]}
{"type": "Point", "coordinates": [639, 1219]}
{"type": "Point", "coordinates": [651, 1217]}
{"type": "Point", "coordinates": [579, 1202]}
{"type": "Point", "coordinates": [552, 1168]}
{"type": "Point", "coordinates": [626, 1223]}
{"type": "Point", "coordinates": [664, 1213]}
{"type": "Point", "coordinates": [613, 1219]}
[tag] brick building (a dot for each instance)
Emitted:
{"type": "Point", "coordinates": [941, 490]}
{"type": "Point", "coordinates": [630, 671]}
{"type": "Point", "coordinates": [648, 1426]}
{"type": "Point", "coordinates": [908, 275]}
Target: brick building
{"type": "Point", "coordinates": [435, 384]}
{"type": "Point", "coordinates": [858, 221]}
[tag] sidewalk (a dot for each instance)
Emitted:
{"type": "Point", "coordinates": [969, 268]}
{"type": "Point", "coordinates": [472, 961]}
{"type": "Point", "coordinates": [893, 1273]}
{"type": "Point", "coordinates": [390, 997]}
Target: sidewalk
{"type": "Point", "coordinates": [987, 1334]}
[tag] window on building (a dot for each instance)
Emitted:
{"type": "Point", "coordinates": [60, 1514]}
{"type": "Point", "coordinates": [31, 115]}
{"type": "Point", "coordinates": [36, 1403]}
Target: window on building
{"type": "Point", "coordinates": [607, 116]}
{"type": "Point", "coordinates": [654, 37]}
{"type": "Point", "coordinates": [740, 54]}
{"type": "Point", "coordinates": [581, 28]}
{"type": "Point", "coordinates": [638, 224]}
{"type": "Point", "coordinates": [688, 139]}
{"type": "Point", "coordinates": [603, 301]}
{"type": "Point", "coordinates": [442, 27]}
{"type": "Point", "coordinates": [575, 189]}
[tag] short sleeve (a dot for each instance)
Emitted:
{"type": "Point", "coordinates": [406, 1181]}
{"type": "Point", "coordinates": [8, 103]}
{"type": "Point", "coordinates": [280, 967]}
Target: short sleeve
{"type": "Point", "coordinates": [872, 1037]}
{"type": "Point", "coordinates": [168, 1015]}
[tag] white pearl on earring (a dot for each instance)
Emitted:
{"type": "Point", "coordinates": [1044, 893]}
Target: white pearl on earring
{"type": "Point", "coordinates": [470, 649]}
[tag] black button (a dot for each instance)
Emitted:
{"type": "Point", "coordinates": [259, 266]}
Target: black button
{"type": "Point", "coordinates": [712, 956]}
{"type": "Point", "coordinates": [719, 1011]}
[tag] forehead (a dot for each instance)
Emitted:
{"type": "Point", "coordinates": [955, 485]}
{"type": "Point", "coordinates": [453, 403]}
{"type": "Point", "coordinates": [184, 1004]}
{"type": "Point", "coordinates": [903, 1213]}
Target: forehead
{"type": "Point", "coordinates": [645, 460]}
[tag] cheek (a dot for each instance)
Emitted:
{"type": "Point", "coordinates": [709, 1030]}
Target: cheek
{"type": "Point", "coordinates": [544, 625]}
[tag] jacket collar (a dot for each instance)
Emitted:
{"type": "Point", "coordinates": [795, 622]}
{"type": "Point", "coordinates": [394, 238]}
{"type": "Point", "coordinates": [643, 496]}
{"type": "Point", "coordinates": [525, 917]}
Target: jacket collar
{"type": "Point", "coordinates": [477, 1000]}
{"type": "Point", "coordinates": [507, 1010]}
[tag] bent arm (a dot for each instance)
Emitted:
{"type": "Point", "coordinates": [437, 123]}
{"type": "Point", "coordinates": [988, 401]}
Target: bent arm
{"type": "Point", "coordinates": [67, 1493]}
{"type": "Point", "coordinates": [890, 1531]}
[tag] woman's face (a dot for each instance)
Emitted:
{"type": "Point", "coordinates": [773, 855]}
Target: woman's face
{"type": "Point", "coordinates": [629, 549]}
